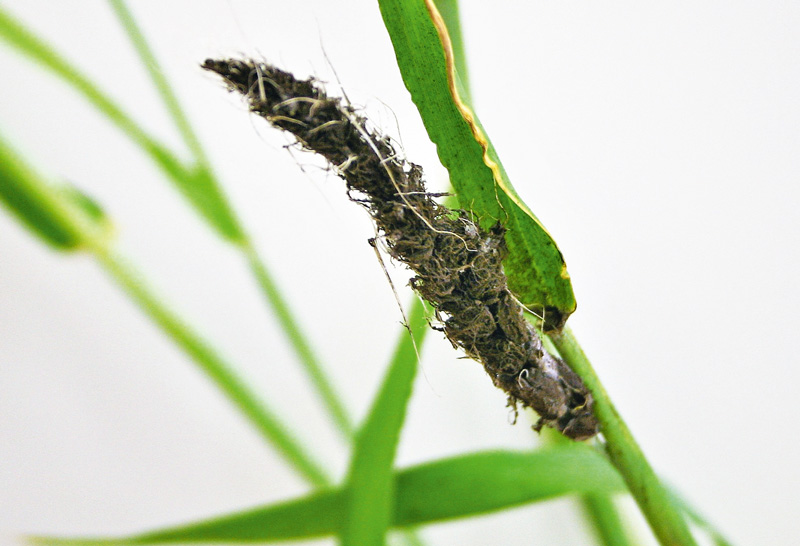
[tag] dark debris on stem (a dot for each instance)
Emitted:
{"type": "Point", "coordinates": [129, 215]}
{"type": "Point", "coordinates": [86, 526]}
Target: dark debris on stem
{"type": "Point", "coordinates": [458, 265]}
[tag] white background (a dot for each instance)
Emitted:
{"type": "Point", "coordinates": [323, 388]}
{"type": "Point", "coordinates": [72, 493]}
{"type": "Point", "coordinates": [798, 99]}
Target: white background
{"type": "Point", "coordinates": [658, 142]}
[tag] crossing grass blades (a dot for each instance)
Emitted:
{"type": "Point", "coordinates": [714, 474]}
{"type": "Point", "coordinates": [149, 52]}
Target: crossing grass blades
{"type": "Point", "coordinates": [458, 265]}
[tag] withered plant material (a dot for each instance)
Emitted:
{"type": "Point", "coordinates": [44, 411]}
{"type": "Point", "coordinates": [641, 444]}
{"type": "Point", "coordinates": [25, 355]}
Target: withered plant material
{"type": "Point", "coordinates": [458, 265]}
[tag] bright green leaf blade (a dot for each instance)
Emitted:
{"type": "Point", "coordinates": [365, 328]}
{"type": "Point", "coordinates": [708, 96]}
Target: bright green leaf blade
{"type": "Point", "coordinates": [535, 267]}
{"type": "Point", "coordinates": [33, 203]}
{"type": "Point", "coordinates": [442, 490]}
{"type": "Point", "coordinates": [371, 480]}
{"type": "Point", "coordinates": [486, 482]}
{"type": "Point", "coordinates": [196, 184]}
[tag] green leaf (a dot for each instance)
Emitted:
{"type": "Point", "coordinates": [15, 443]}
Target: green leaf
{"type": "Point", "coordinates": [36, 204]}
{"type": "Point", "coordinates": [371, 480]}
{"type": "Point", "coordinates": [535, 267]}
{"type": "Point", "coordinates": [491, 481]}
{"type": "Point", "coordinates": [452, 488]}
{"type": "Point", "coordinates": [197, 185]}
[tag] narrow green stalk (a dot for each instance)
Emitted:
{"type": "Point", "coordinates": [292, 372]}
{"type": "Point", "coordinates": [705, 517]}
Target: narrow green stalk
{"type": "Point", "coordinates": [157, 75]}
{"type": "Point", "coordinates": [664, 517]}
{"type": "Point", "coordinates": [299, 342]}
{"type": "Point", "coordinates": [29, 44]}
{"type": "Point", "coordinates": [267, 423]}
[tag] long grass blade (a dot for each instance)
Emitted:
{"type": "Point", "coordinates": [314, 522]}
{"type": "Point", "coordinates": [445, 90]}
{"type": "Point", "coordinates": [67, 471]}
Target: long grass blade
{"type": "Point", "coordinates": [264, 419]}
{"type": "Point", "coordinates": [370, 480]}
{"type": "Point", "coordinates": [442, 490]}
{"type": "Point", "coordinates": [153, 68]}
{"type": "Point", "coordinates": [194, 182]}
{"type": "Point", "coordinates": [299, 342]}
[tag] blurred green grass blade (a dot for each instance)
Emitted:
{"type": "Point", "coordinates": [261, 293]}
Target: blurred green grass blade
{"type": "Point", "coordinates": [442, 490]}
{"type": "Point", "coordinates": [486, 482]}
{"type": "Point", "coordinates": [202, 187]}
{"type": "Point", "coordinates": [371, 479]}
{"type": "Point", "coordinates": [300, 343]}
{"type": "Point", "coordinates": [153, 68]}
{"type": "Point", "coordinates": [698, 519]}
{"type": "Point", "coordinates": [36, 205]}
{"type": "Point", "coordinates": [215, 367]}
{"type": "Point", "coordinates": [606, 520]}
{"type": "Point", "coordinates": [207, 186]}
{"type": "Point", "coordinates": [194, 182]}
{"type": "Point", "coordinates": [197, 183]}
{"type": "Point", "coordinates": [535, 267]}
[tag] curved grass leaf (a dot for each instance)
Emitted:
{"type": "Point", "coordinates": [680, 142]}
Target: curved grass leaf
{"type": "Point", "coordinates": [370, 481]}
{"type": "Point", "coordinates": [535, 267]}
{"type": "Point", "coordinates": [197, 185]}
{"type": "Point", "coordinates": [452, 488]}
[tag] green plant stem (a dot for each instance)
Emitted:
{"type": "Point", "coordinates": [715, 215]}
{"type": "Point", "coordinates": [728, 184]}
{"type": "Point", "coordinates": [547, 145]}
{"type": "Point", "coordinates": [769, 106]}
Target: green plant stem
{"type": "Point", "coordinates": [297, 339]}
{"type": "Point", "coordinates": [214, 366]}
{"type": "Point", "coordinates": [655, 502]}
